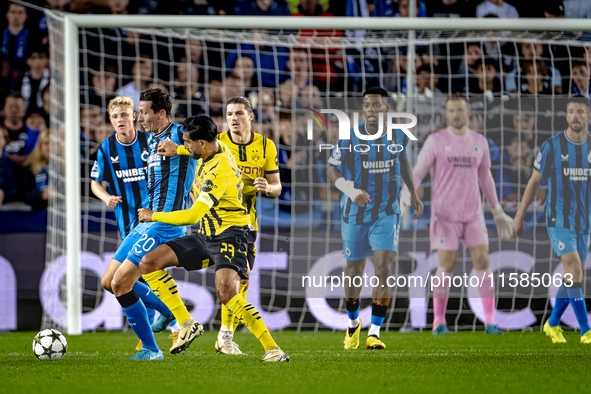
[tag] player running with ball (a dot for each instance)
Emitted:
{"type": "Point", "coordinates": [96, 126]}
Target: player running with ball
{"type": "Point", "coordinates": [564, 161]}
{"type": "Point", "coordinates": [461, 161]}
{"type": "Point", "coordinates": [370, 215]}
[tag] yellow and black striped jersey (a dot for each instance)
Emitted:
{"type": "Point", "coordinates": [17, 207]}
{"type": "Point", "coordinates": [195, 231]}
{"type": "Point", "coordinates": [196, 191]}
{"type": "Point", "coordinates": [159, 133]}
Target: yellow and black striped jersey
{"type": "Point", "coordinates": [256, 158]}
{"type": "Point", "coordinates": [217, 183]}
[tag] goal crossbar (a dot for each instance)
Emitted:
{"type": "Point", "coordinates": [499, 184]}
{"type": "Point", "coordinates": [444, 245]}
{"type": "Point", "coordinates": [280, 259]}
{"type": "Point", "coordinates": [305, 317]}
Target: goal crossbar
{"type": "Point", "coordinates": [337, 23]}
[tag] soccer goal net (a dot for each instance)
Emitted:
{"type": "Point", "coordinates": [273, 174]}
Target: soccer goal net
{"type": "Point", "coordinates": [516, 84]}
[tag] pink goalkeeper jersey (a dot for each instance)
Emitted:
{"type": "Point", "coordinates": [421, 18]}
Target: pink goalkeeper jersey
{"type": "Point", "coordinates": [461, 165]}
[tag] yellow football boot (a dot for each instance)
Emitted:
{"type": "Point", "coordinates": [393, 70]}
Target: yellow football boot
{"type": "Point", "coordinates": [374, 342]}
{"type": "Point", "coordinates": [586, 339]}
{"type": "Point", "coordinates": [352, 338]}
{"type": "Point", "coordinates": [138, 346]}
{"type": "Point", "coordinates": [556, 333]}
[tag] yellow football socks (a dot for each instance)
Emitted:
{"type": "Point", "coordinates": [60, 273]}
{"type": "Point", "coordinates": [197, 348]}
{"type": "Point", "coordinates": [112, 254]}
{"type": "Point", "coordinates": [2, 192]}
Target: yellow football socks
{"type": "Point", "coordinates": [243, 290]}
{"type": "Point", "coordinates": [165, 287]}
{"type": "Point", "coordinates": [228, 319]}
{"type": "Point", "coordinates": [251, 318]}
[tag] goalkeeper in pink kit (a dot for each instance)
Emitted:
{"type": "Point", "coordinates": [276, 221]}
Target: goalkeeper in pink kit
{"type": "Point", "coordinates": [461, 161]}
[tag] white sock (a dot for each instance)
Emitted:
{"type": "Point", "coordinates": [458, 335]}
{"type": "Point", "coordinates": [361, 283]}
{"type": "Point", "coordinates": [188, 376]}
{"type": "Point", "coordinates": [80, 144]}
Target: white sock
{"type": "Point", "coordinates": [174, 327]}
{"type": "Point", "coordinates": [227, 328]}
{"type": "Point", "coordinates": [374, 330]}
{"type": "Point", "coordinates": [354, 323]}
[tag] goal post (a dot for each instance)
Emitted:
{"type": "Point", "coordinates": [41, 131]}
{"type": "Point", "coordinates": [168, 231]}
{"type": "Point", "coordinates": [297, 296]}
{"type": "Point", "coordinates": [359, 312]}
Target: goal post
{"type": "Point", "coordinates": [72, 149]}
{"type": "Point", "coordinates": [70, 75]}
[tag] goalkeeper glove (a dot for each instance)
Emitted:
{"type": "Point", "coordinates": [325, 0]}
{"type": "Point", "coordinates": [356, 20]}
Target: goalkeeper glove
{"type": "Point", "coordinates": [504, 223]}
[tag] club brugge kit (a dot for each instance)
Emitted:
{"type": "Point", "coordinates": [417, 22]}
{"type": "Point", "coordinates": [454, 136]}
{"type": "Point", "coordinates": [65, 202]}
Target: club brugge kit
{"type": "Point", "coordinates": [123, 167]}
{"type": "Point", "coordinates": [373, 166]}
{"type": "Point", "coordinates": [565, 166]}
{"type": "Point", "coordinates": [168, 183]}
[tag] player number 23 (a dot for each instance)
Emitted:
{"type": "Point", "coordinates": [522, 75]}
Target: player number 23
{"type": "Point", "coordinates": [227, 248]}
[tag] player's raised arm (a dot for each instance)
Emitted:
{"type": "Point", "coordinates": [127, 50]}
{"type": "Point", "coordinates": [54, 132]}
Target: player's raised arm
{"type": "Point", "coordinates": [214, 186]}
{"type": "Point", "coordinates": [179, 218]}
{"type": "Point", "coordinates": [170, 149]}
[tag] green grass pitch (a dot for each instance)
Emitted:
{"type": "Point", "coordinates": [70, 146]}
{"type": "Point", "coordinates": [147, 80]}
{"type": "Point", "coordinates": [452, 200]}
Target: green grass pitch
{"type": "Point", "coordinates": [517, 362]}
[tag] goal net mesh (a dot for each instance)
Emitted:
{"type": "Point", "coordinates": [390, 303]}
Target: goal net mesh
{"type": "Point", "coordinates": [516, 84]}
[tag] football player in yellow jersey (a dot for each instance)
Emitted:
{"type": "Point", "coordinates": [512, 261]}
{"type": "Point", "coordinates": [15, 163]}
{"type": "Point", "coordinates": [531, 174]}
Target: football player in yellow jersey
{"type": "Point", "coordinates": [221, 240]}
{"type": "Point", "coordinates": [256, 157]}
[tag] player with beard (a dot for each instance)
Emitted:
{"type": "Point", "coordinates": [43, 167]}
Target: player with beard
{"type": "Point", "coordinates": [370, 214]}
{"type": "Point", "coordinates": [256, 157]}
{"type": "Point", "coordinates": [222, 239]}
{"type": "Point", "coordinates": [461, 160]}
{"type": "Point", "coordinates": [564, 161]}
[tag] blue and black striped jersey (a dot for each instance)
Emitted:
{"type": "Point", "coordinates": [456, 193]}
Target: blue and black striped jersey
{"type": "Point", "coordinates": [565, 165]}
{"type": "Point", "coordinates": [169, 178]}
{"type": "Point", "coordinates": [374, 167]}
{"type": "Point", "coordinates": [123, 166]}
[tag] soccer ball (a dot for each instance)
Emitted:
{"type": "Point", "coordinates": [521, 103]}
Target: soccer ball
{"type": "Point", "coordinates": [50, 345]}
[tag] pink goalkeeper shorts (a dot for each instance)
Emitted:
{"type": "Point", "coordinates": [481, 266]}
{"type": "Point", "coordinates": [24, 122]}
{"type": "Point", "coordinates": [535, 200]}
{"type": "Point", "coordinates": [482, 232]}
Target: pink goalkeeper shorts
{"type": "Point", "coordinates": [446, 235]}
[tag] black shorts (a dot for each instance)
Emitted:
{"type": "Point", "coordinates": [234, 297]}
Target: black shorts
{"type": "Point", "coordinates": [226, 250]}
{"type": "Point", "coordinates": [252, 250]}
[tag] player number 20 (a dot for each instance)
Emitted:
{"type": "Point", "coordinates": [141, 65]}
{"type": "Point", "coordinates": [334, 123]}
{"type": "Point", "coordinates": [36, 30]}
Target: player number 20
{"type": "Point", "coordinates": [144, 243]}
{"type": "Point", "coordinates": [227, 248]}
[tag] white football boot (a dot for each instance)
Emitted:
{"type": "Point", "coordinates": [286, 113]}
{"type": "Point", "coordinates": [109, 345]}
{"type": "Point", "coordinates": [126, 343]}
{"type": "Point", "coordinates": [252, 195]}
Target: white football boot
{"type": "Point", "coordinates": [225, 345]}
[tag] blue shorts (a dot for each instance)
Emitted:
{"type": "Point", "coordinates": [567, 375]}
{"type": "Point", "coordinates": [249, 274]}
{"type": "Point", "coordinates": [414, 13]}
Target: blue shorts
{"type": "Point", "coordinates": [361, 239]}
{"type": "Point", "coordinates": [144, 238]}
{"type": "Point", "coordinates": [565, 240]}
